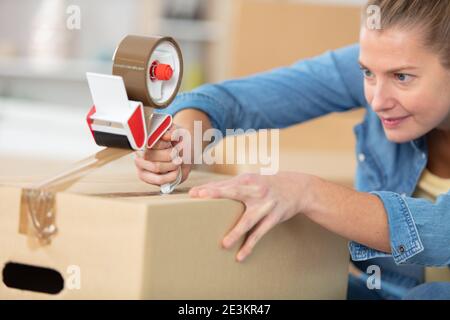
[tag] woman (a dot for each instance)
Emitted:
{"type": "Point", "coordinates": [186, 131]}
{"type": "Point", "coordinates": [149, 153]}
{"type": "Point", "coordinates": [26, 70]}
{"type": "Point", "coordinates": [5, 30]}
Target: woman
{"type": "Point", "coordinates": [400, 74]}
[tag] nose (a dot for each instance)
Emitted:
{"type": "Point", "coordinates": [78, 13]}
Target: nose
{"type": "Point", "coordinates": [382, 99]}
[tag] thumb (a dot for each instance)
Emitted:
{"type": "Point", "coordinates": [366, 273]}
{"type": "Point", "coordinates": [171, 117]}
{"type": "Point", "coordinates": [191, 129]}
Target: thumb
{"type": "Point", "coordinates": [167, 136]}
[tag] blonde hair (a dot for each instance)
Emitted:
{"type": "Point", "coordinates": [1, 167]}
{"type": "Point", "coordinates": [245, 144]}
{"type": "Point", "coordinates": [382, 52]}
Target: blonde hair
{"type": "Point", "coordinates": [432, 17]}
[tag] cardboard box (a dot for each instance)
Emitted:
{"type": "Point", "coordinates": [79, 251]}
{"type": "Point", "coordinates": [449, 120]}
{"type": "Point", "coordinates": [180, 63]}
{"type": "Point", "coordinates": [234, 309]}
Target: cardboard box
{"type": "Point", "coordinates": [119, 239]}
{"type": "Point", "coordinates": [264, 34]}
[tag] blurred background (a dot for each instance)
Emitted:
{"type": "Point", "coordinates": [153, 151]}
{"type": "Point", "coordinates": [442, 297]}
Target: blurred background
{"type": "Point", "coordinates": [47, 46]}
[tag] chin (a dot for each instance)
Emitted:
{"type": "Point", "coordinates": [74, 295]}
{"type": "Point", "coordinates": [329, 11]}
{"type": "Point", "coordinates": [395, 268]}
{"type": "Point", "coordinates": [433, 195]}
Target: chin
{"type": "Point", "coordinates": [400, 136]}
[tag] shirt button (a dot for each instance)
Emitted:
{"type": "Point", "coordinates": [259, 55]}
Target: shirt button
{"type": "Point", "coordinates": [424, 155]}
{"type": "Point", "coordinates": [401, 248]}
{"type": "Point", "coordinates": [403, 195]}
{"type": "Point", "coordinates": [361, 157]}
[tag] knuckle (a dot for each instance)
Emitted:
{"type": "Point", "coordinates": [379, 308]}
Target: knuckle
{"type": "Point", "coordinates": [248, 178]}
{"type": "Point", "coordinates": [156, 167]}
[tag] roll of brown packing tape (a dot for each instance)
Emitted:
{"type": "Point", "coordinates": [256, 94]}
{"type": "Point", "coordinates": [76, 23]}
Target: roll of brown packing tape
{"type": "Point", "coordinates": [151, 67]}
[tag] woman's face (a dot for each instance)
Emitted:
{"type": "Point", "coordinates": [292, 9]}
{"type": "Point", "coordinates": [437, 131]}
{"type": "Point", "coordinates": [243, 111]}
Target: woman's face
{"type": "Point", "coordinates": [405, 83]}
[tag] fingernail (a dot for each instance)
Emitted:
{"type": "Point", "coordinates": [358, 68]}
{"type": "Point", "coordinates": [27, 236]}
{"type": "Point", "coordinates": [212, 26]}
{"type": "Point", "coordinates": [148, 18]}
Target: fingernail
{"type": "Point", "coordinates": [240, 257]}
{"type": "Point", "coordinates": [226, 242]}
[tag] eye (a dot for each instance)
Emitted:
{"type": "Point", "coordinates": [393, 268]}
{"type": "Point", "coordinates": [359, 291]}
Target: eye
{"type": "Point", "coordinates": [403, 77]}
{"type": "Point", "coordinates": [367, 73]}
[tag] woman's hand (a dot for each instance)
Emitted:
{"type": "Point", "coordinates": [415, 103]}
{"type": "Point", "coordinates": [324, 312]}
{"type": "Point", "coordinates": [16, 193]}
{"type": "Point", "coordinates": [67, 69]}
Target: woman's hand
{"type": "Point", "coordinates": [269, 200]}
{"type": "Point", "coordinates": [159, 165]}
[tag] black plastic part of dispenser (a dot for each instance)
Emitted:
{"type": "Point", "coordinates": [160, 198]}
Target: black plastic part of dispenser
{"type": "Point", "coordinates": [111, 140]}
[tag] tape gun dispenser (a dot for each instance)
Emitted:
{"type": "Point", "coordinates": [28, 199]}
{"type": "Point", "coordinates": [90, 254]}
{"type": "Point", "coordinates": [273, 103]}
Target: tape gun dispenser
{"type": "Point", "coordinates": [147, 73]}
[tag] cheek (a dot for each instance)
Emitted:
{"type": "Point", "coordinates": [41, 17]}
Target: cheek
{"type": "Point", "coordinates": [414, 103]}
{"type": "Point", "coordinates": [434, 99]}
{"type": "Point", "coordinates": [429, 105]}
{"type": "Point", "coordinates": [368, 92]}
{"type": "Point", "coordinates": [428, 112]}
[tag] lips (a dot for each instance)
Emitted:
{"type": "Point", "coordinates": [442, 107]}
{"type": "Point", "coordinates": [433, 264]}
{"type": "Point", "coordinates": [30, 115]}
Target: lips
{"type": "Point", "coordinates": [393, 122]}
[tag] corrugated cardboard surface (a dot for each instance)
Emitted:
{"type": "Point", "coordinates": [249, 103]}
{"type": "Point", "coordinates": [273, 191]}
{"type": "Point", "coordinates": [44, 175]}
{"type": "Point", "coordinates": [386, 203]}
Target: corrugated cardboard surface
{"type": "Point", "coordinates": [132, 243]}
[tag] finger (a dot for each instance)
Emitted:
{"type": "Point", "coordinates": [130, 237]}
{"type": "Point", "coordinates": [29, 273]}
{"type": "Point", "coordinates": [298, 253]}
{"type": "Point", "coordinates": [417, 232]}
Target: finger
{"type": "Point", "coordinates": [177, 140]}
{"type": "Point", "coordinates": [157, 179]}
{"type": "Point", "coordinates": [249, 219]}
{"type": "Point", "coordinates": [167, 136]}
{"type": "Point", "coordinates": [232, 191]}
{"type": "Point", "coordinates": [193, 192]}
{"type": "Point", "coordinates": [214, 191]}
{"type": "Point", "coordinates": [161, 144]}
{"type": "Point", "coordinates": [245, 180]}
{"type": "Point", "coordinates": [164, 155]}
{"type": "Point", "coordinates": [155, 167]}
{"type": "Point", "coordinates": [260, 230]}
{"type": "Point", "coordinates": [177, 134]}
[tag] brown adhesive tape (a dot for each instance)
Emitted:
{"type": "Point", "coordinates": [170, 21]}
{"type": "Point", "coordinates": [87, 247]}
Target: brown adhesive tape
{"type": "Point", "coordinates": [37, 208]}
{"type": "Point", "coordinates": [132, 63]}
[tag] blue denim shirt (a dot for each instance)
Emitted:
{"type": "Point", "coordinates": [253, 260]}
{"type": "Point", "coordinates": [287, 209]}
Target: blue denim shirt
{"type": "Point", "coordinates": [333, 82]}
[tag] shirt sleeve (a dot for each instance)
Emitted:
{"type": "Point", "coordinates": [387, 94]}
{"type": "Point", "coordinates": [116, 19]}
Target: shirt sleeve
{"type": "Point", "coordinates": [419, 230]}
{"type": "Point", "coordinates": [331, 82]}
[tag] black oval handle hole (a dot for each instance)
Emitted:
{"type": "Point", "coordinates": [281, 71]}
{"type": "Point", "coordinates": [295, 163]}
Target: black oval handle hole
{"type": "Point", "coordinates": [32, 278]}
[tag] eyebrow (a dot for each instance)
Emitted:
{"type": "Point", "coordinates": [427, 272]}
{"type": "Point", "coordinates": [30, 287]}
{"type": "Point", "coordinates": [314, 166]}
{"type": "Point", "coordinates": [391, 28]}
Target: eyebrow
{"type": "Point", "coordinates": [394, 70]}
